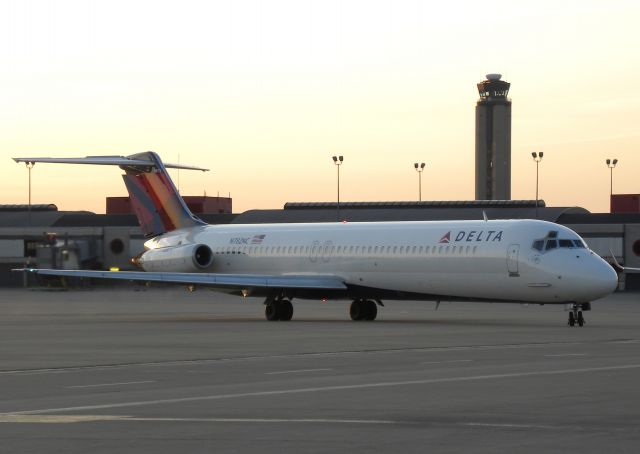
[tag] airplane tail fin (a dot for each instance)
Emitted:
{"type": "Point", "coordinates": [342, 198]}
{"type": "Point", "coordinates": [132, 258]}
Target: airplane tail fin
{"type": "Point", "coordinates": [154, 197]}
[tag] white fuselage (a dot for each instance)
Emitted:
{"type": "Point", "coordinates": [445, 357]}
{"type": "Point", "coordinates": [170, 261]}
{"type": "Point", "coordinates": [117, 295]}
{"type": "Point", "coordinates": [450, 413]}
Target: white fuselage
{"type": "Point", "coordinates": [484, 260]}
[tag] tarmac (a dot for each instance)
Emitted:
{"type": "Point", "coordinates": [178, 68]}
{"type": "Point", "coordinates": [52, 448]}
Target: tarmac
{"type": "Point", "coordinates": [162, 370]}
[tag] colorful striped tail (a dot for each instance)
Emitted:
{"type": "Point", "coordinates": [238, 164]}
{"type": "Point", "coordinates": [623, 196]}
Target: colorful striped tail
{"type": "Point", "coordinates": [154, 197]}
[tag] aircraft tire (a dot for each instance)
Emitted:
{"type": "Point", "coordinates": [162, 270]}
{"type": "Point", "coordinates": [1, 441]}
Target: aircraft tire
{"type": "Point", "coordinates": [286, 310]}
{"type": "Point", "coordinates": [272, 311]}
{"type": "Point", "coordinates": [580, 319]}
{"type": "Point", "coordinates": [357, 310]}
{"type": "Point", "coordinates": [572, 320]}
{"type": "Point", "coordinates": [371, 310]}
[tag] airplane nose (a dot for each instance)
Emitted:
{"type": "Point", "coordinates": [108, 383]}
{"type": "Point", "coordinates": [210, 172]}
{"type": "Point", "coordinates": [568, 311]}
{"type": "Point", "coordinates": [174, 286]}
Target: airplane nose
{"type": "Point", "coordinates": [603, 280]}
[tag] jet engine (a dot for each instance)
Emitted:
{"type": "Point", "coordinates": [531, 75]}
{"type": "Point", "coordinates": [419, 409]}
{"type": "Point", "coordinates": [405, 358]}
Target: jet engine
{"type": "Point", "coordinates": [189, 258]}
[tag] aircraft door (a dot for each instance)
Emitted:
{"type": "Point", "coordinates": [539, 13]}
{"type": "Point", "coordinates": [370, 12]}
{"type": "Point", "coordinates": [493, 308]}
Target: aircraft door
{"type": "Point", "coordinates": [512, 259]}
{"type": "Point", "coordinates": [327, 249]}
{"type": "Point", "coordinates": [315, 251]}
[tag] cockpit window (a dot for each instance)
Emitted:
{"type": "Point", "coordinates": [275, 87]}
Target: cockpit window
{"type": "Point", "coordinates": [551, 241]}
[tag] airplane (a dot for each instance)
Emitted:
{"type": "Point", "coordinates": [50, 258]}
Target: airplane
{"type": "Point", "coordinates": [510, 261]}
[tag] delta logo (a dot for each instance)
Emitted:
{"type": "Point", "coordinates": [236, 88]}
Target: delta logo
{"type": "Point", "coordinates": [473, 235]}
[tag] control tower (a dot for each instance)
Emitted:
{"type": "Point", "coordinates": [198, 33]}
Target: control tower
{"type": "Point", "coordinates": [493, 140]}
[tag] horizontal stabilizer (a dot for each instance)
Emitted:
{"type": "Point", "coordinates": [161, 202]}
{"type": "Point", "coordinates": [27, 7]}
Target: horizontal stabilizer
{"type": "Point", "coordinates": [214, 280]}
{"type": "Point", "coordinates": [107, 161]}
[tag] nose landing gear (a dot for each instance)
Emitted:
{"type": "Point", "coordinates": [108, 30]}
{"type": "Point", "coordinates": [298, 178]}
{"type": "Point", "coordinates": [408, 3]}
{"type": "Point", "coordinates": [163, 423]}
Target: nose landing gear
{"type": "Point", "coordinates": [575, 313]}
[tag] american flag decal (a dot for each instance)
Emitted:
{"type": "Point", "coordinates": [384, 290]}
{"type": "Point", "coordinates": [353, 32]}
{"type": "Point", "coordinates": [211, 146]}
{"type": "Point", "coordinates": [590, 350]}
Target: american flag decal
{"type": "Point", "coordinates": [257, 239]}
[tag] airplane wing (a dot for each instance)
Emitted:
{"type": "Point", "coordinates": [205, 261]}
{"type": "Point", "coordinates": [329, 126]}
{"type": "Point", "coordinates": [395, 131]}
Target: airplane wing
{"type": "Point", "coordinates": [620, 267]}
{"type": "Point", "coordinates": [213, 280]}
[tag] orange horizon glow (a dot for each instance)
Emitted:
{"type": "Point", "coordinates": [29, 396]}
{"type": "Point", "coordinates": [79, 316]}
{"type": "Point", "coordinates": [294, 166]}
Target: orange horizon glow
{"type": "Point", "coordinates": [265, 92]}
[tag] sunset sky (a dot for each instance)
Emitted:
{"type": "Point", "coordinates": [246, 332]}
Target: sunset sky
{"type": "Point", "coordinates": [265, 92]}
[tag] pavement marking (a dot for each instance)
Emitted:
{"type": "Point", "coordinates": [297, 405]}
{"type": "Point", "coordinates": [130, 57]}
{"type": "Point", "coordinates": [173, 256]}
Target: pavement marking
{"type": "Point", "coordinates": [448, 362]}
{"type": "Point", "coordinates": [564, 355]}
{"type": "Point", "coordinates": [202, 361]}
{"type": "Point", "coordinates": [324, 389]}
{"type": "Point", "coordinates": [510, 426]}
{"type": "Point", "coordinates": [55, 419]}
{"type": "Point", "coordinates": [66, 419]}
{"type": "Point", "coordinates": [298, 371]}
{"type": "Point", "coordinates": [71, 419]}
{"type": "Point", "coordinates": [112, 384]}
{"type": "Point", "coordinates": [272, 420]}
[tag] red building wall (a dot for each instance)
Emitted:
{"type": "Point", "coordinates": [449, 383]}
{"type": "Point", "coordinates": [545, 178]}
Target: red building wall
{"type": "Point", "coordinates": [625, 203]}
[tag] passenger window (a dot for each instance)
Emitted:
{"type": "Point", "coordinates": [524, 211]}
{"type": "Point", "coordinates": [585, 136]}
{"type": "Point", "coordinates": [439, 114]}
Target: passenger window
{"type": "Point", "coordinates": [538, 245]}
{"type": "Point", "coordinates": [551, 244]}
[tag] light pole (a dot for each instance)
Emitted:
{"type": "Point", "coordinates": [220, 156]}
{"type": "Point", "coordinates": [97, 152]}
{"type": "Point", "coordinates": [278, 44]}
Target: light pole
{"type": "Point", "coordinates": [611, 163]}
{"type": "Point", "coordinates": [419, 168]}
{"type": "Point", "coordinates": [337, 160]}
{"type": "Point", "coordinates": [537, 157]}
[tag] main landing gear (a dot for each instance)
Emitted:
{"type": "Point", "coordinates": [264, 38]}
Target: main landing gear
{"type": "Point", "coordinates": [363, 310]}
{"type": "Point", "coordinates": [278, 309]}
{"type": "Point", "coordinates": [575, 313]}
